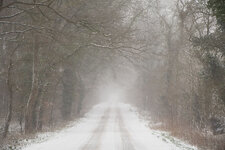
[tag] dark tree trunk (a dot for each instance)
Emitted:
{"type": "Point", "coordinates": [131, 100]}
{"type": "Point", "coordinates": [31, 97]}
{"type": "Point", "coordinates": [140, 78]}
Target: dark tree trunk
{"type": "Point", "coordinates": [1, 4]}
{"type": "Point", "coordinates": [21, 121]}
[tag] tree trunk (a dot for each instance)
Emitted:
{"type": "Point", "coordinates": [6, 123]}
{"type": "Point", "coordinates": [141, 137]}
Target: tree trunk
{"type": "Point", "coordinates": [21, 122]}
{"type": "Point", "coordinates": [68, 94]}
{"type": "Point", "coordinates": [10, 103]}
{"type": "Point", "coordinates": [29, 122]}
{"type": "Point", "coordinates": [52, 103]}
{"type": "Point", "coordinates": [81, 93]}
{"type": "Point", "coordinates": [1, 4]}
{"type": "Point", "coordinates": [41, 108]}
{"type": "Point", "coordinates": [10, 93]}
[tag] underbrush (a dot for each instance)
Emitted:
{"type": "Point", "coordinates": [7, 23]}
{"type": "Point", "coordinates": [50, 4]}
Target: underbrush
{"type": "Point", "coordinates": [17, 140]}
{"type": "Point", "coordinates": [203, 140]}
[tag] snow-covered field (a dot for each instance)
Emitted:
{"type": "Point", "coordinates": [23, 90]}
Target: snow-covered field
{"type": "Point", "coordinates": [110, 126]}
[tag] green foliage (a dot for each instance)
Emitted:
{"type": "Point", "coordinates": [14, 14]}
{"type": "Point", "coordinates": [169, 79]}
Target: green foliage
{"type": "Point", "coordinates": [218, 8]}
{"type": "Point", "coordinates": [210, 50]}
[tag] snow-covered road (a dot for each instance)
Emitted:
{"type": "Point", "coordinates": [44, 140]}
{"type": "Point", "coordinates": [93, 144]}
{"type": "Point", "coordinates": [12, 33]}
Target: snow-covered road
{"type": "Point", "coordinates": [110, 126]}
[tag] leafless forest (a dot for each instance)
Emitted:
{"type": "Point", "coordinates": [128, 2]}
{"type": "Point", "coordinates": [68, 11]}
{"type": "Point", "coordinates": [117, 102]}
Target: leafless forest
{"type": "Point", "coordinates": [58, 58]}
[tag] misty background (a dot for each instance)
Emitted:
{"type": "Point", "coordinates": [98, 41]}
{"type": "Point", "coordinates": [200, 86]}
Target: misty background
{"type": "Point", "coordinates": [58, 58]}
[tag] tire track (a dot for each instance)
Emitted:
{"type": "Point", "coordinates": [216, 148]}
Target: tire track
{"type": "Point", "coordinates": [125, 136]}
{"type": "Point", "coordinates": [95, 141]}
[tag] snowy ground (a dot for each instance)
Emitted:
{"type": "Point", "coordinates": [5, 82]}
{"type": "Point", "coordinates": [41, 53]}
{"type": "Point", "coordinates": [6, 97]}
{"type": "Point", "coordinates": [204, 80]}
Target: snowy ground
{"type": "Point", "coordinates": [110, 126]}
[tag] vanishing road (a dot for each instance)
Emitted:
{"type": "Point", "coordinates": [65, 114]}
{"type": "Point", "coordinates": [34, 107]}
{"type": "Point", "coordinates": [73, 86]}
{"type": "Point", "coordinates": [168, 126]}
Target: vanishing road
{"type": "Point", "coordinates": [110, 126]}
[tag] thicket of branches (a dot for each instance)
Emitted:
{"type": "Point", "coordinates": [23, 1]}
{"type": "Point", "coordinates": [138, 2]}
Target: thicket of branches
{"type": "Point", "coordinates": [51, 54]}
{"type": "Point", "coordinates": [182, 83]}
